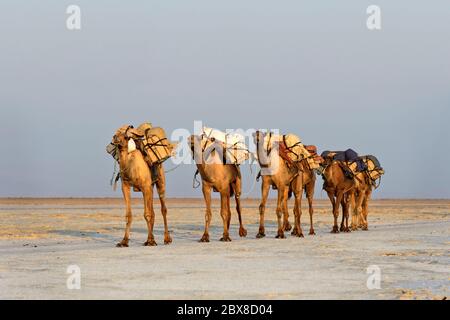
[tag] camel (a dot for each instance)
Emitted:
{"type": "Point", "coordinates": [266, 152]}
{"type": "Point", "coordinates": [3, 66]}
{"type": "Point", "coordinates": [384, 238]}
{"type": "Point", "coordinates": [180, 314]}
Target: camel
{"type": "Point", "coordinates": [339, 189]}
{"type": "Point", "coordinates": [286, 179]}
{"type": "Point", "coordinates": [223, 178]}
{"type": "Point", "coordinates": [135, 172]}
{"type": "Point", "coordinates": [360, 198]}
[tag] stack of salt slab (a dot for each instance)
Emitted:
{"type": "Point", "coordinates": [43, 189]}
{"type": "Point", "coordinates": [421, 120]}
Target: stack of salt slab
{"type": "Point", "coordinates": [296, 149]}
{"type": "Point", "coordinates": [233, 144]}
{"type": "Point", "coordinates": [373, 167]}
{"type": "Point", "coordinates": [155, 145]}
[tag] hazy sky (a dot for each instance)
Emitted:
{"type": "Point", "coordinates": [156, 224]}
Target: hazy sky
{"type": "Point", "coordinates": [308, 67]}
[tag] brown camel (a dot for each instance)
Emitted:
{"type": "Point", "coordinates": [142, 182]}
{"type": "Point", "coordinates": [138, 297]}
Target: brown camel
{"type": "Point", "coordinates": [287, 179]}
{"type": "Point", "coordinates": [360, 198]}
{"type": "Point", "coordinates": [338, 187]}
{"type": "Point", "coordinates": [135, 172]}
{"type": "Point", "coordinates": [223, 178]}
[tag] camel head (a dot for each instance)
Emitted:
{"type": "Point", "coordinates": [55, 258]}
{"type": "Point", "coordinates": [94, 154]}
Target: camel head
{"type": "Point", "coordinates": [258, 139]}
{"type": "Point", "coordinates": [124, 134]}
{"type": "Point", "coordinates": [266, 140]}
{"type": "Point", "coordinates": [205, 151]}
{"type": "Point", "coordinates": [333, 169]}
{"type": "Point", "coordinates": [327, 157]}
{"type": "Point", "coordinates": [265, 144]}
{"type": "Point", "coordinates": [195, 144]}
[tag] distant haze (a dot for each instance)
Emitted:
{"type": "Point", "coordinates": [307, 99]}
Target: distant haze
{"type": "Point", "coordinates": [307, 67]}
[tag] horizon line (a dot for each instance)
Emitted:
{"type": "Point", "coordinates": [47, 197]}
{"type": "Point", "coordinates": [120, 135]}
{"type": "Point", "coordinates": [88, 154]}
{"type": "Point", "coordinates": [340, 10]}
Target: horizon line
{"type": "Point", "coordinates": [183, 198]}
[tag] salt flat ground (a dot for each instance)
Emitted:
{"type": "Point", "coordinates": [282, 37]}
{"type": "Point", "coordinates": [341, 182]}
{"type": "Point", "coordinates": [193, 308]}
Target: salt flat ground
{"type": "Point", "coordinates": [39, 238]}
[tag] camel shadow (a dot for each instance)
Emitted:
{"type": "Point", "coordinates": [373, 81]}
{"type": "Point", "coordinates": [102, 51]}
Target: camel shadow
{"type": "Point", "coordinates": [84, 234]}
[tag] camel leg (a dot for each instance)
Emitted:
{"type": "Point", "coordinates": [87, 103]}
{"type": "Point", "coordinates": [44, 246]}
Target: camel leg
{"type": "Point", "coordinates": [342, 203]}
{"type": "Point", "coordinates": [228, 212]}
{"type": "Point", "coordinates": [208, 214]}
{"type": "Point", "coordinates": [334, 204]}
{"type": "Point", "coordinates": [353, 209]}
{"type": "Point", "coordinates": [127, 196]}
{"type": "Point", "coordinates": [310, 196]}
{"type": "Point", "coordinates": [345, 215]}
{"type": "Point", "coordinates": [224, 198]}
{"type": "Point", "coordinates": [265, 187]}
{"type": "Point", "coordinates": [355, 205]}
{"type": "Point", "coordinates": [161, 187]}
{"type": "Point", "coordinates": [358, 211]}
{"type": "Point", "coordinates": [149, 215]}
{"type": "Point", "coordinates": [286, 225]}
{"type": "Point", "coordinates": [296, 219]}
{"type": "Point", "coordinates": [298, 214]}
{"type": "Point", "coordinates": [237, 197]}
{"type": "Point", "coordinates": [365, 210]}
{"type": "Point", "coordinates": [280, 209]}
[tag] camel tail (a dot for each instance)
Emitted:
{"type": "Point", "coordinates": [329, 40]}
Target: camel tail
{"type": "Point", "coordinates": [231, 190]}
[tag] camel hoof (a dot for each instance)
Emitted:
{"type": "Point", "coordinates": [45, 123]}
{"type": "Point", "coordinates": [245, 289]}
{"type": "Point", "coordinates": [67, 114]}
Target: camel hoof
{"type": "Point", "coordinates": [335, 230]}
{"type": "Point", "coordinates": [312, 233]}
{"type": "Point", "coordinates": [205, 238]}
{"type": "Point", "coordinates": [342, 228]}
{"type": "Point", "coordinates": [346, 229]}
{"type": "Point", "coordinates": [242, 232]}
{"type": "Point", "coordinates": [280, 236]}
{"type": "Point", "coordinates": [225, 239]}
{"type": "Point", "coordinates": [150, 243]}
{"type": "Point", "coordinates": [260, 235]}
{"type": "Point", "coordinates": [122, 245]}
{"type": "Point", "coordinates": [167, 240]}
{"type": "Point", "coordinates": [365, 228]}
{"type": "Point", "coordinates": [287, 228]}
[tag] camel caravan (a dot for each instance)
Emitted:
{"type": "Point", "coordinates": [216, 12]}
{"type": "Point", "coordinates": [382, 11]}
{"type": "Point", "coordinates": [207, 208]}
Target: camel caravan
{"type": "Point", "coordinates": [286, 165]}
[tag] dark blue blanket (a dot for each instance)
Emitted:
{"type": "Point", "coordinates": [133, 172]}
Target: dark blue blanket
{"type": "Point", "coordinates": [348, 155]}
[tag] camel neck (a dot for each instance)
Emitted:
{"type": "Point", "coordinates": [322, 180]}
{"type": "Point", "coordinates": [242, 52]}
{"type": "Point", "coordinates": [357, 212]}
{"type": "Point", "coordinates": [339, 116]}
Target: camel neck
{"type": "Point", "coordinates": [123, 157]}
{"type": "Point", "coordinates": [202, 170]}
